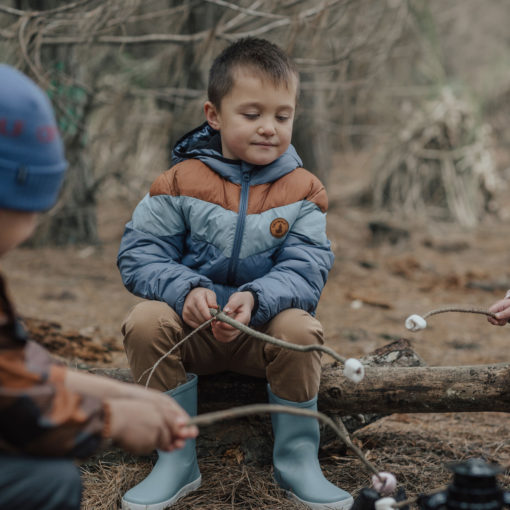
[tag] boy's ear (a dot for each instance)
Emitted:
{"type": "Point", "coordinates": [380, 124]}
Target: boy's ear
{"type": "Point", "coordinates": [212, 115]}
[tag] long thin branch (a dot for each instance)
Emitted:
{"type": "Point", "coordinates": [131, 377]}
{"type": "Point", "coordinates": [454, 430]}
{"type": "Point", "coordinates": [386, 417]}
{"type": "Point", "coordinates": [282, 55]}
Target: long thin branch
{"type": "Point", "coordinates": [221, 316]}
{"type": "Point", "coordinates": [237, 412]}
{"type": "Point", "coordinates": [153, 368]}
{"type": "Point", "coordinates": [11, 10]}
{"type": "Point", "coordinates": [128, 39]}
{"type": "Point", "coordinates": [217, 315]}
{"type": "Point", "coordinates": [458, 308]}
{"type": "Point", "coordinates": [251, 12]}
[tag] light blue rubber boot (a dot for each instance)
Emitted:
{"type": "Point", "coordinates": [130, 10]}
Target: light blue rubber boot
{"type": "Point", "coordinates": [176, 473]}
{"type": "Point", "coordinates": [295, 459]}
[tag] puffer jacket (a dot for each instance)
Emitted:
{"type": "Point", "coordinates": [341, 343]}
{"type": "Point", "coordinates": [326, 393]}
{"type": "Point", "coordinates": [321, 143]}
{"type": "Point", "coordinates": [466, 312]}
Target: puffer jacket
{"type": "Point", "coordinates": [229, 226]}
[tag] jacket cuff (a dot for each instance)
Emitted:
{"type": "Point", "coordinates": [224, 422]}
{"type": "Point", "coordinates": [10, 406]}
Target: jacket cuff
{"type": "Point", "coordinates": [255, 302]}
{"type": "Point", "coordinates": [260, 314]}
{"type": "Point", "coordinates": [192, 284]}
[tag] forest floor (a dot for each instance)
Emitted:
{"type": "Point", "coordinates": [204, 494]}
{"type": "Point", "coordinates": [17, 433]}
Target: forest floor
{"type": "Point", "coordinates": [377, 281]}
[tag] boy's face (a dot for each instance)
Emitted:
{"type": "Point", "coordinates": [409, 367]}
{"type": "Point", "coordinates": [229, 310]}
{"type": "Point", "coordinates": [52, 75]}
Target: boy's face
{"type": "Point", "coordinates": [15, 227]}
{"type": "Point", "coordinates": [255, 118]}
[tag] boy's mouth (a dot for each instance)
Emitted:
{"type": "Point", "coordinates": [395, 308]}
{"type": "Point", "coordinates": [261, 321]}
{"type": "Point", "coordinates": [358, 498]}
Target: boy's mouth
{"type": "Point", "coordinates": [265, 144]}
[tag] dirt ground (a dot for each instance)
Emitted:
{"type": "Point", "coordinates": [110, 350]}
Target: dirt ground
{"type": "Point", "coordinates": [377, 281]}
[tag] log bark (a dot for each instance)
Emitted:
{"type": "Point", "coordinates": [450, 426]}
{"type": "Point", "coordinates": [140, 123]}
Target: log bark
{"type": "Point", "coordinates": [418, 390]}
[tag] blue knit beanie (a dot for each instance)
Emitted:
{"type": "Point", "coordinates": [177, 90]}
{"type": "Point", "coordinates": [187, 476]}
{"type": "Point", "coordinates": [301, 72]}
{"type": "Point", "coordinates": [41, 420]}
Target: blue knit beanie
{"type": "Point", "coordinates": [32, 161]}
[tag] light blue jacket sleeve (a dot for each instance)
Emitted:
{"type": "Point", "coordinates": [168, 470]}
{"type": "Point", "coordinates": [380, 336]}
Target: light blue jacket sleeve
{"type": "Point", "coordinates": [150, 254]}
{"type": "Point", "coordinates": [302, 265]}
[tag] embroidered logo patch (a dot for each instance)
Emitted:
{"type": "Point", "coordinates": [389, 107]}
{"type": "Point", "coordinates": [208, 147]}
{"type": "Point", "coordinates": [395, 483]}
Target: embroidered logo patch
{"type": "Point", "coordinates": [279, 227]}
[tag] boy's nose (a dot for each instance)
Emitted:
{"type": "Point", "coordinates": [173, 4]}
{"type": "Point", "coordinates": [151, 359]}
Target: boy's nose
{"type": "Point", "coordinates": [266, 129]}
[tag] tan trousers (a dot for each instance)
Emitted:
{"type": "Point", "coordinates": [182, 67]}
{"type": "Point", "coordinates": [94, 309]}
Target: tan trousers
{"type": "Point", "coordinates": [152, 328]}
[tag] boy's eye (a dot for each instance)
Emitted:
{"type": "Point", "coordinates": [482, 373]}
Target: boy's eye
{"type": "Point", "coordinates": [282, 118]}
{"type": "Point", "coordinates": [251, 116]}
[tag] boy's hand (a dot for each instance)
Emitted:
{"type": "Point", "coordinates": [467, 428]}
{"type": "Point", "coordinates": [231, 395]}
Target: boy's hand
{"type": "Point", "coordinates": [196, 306]}
{"type": "Point", "coordinates": [139, 426]}
{"type": "Point", "coordinates": [502, 310]}
{"type": "Point", "coordinates": [239, 307]}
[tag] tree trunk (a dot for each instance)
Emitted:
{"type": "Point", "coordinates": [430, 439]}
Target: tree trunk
{"type": "Point", "coordinates": [311, 134]}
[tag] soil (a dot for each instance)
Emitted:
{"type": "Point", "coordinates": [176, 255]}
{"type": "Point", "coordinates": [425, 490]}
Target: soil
{"type": "Point", "coordinates": [386, 268]}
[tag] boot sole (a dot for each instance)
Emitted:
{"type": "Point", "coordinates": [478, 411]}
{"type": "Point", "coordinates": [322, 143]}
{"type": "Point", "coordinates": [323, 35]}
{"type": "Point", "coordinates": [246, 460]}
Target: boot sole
{"type": "Point", "coordinates": [345, 504]}
{"type": "Point", "coordinates": [127, 505]}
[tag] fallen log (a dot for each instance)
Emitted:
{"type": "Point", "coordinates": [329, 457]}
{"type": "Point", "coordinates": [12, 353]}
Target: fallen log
{"type": "Point", "coordinates": [418, 390]}
{"type": "Point", "coordinates": [221, 391]}
{"type": "Point", "coordinates": [250, 438]}
{"type": "Point", "coordinates": [396, 381]}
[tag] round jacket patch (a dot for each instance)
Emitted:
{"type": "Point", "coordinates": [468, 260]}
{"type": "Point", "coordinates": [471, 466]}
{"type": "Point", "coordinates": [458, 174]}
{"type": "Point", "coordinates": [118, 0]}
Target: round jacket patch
{"type": "Point", "coordinates": [279, 227]}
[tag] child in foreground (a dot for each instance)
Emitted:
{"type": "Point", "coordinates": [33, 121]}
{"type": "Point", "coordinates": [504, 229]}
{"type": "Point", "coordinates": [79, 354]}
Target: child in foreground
{"type": "Point", "coordinates": [50, 414]}
{"type": "Point", "coordinates": [236, 223]}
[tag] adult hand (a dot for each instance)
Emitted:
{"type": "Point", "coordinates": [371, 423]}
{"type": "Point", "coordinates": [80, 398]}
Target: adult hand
{"type": "Point", "coordinates": [239, 307]}
{"type": "Point", "coordinates": [140, 426]}
{"type": "Point", "coordinates": [502, 310]}
{"type": "Point", "coordinates": [196, 306]}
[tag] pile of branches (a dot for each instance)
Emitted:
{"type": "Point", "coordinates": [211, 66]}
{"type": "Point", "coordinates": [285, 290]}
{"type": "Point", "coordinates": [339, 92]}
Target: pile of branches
{"type": "Point", "coordinates": [439, 166]}
{"type": "Point", "coordinates": [128, 78]}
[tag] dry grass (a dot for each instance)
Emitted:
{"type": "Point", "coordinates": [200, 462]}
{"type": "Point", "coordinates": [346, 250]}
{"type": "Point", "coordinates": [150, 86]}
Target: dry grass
{"type": "Point", "coordinates": [416, 448]}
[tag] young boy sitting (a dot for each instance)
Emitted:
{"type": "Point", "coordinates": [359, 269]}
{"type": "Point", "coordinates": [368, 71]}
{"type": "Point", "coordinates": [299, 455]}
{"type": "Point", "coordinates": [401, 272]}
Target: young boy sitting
{"type": "Point", "coordinates": [237, 223]}
{"type": "Point", "coordinates": [50, 414]}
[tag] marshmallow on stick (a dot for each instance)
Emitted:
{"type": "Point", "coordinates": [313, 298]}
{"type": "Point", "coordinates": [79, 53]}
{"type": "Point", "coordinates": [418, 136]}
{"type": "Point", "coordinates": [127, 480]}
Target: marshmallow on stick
{"type": "Point", "coordinates": [416, 322]}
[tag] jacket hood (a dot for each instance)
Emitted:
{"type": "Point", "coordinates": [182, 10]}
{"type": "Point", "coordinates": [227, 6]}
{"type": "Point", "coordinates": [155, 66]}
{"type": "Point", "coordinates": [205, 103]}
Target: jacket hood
{"type": "Point", "coordinates": [204, 143]}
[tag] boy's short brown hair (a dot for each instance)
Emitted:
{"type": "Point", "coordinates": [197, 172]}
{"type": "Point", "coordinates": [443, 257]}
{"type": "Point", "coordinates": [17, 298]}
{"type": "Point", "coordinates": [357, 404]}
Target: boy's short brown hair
{"type": "Point", "coordinates": [258, 54]}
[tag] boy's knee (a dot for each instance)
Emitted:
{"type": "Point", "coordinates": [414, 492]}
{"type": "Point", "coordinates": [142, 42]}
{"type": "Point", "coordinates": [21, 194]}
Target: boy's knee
{"type": "Point", "coordinates": [146, 320]}
{"type": "Point", "coordinates": [298, 327]}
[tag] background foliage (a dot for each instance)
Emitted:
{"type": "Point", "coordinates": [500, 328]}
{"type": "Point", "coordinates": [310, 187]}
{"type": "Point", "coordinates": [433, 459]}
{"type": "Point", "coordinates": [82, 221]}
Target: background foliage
{"type": "Point", "coordinates": [128, 78]}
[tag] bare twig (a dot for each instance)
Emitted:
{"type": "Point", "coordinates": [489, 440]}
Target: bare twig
{"type": "Point", "coordinates": [461, 309]}
{"type": "Point", "coordinates": [251, 12]}
{"type": "Point", "coordinates": [218, 315]}
{"type": "Point", "coordinates": [153, 368]}
{"type": "Point", "coordinates": [237, 412]}
{"type": "Point", "coordinates": [221, 316]}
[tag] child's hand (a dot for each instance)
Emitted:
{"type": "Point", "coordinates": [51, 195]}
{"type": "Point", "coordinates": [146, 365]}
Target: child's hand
{"type": "Point", "coordinates": [196, 306]}
{"type": "Point", "coordinates": [140, 426]}
{"type": "Point", "coordinates": [502, 310]}
{"type": "Point", "coordinates": [239, 307]}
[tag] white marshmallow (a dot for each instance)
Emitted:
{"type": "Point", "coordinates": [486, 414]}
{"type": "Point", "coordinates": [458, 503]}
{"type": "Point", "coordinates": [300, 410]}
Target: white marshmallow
{"type": "Point", "coordinates": [415, 322]}
{"type": "Point", "coordinates": [354, 370]}
{"type": "Point", "coordinates": [384, 504]}
{"type": "Point", "coordinates": [384, 483]}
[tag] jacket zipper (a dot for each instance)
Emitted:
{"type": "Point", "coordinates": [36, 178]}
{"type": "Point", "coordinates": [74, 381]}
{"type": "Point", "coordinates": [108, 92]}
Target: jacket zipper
{"type": "Point", "coordinates": [243, 206]}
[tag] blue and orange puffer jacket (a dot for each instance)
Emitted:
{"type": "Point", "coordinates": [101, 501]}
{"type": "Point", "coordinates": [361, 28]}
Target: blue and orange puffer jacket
{"type": "Point", "coordinates": [229, 226]}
